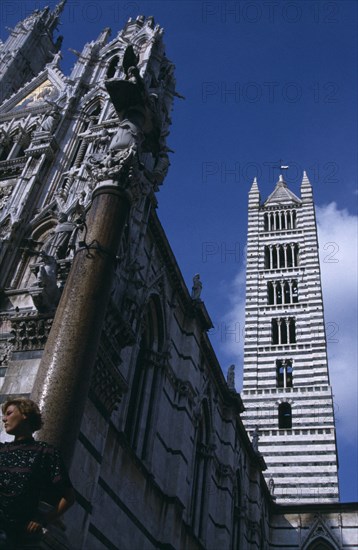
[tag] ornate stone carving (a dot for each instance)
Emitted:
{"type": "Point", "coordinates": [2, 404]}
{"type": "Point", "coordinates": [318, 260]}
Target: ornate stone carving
{"type": "Point", "coordinates": [118, 164]}
{"type": "Point", "coordinates": [61, 242]}
{"type": "Point", "coordinates": [156, 359]}
{"type": "Point", "coordinates": [5, 351]}
{"type": "Point", "coordinates": [5, 192]}
{"type": "Point", "coordinates": [107, 386]}
{"type": "Point", "coordinates": [45, 292]}
{"type": "Point", "coordinates": [30, 334]}
{"type": "Point", "coordinates": [12, 167]}
{"type": "Point", "coordinates": [117, 329]}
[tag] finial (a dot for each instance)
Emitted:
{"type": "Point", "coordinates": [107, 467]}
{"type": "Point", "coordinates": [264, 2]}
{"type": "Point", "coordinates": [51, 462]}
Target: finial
{"type": "Point", "coordinates": [281, 182]}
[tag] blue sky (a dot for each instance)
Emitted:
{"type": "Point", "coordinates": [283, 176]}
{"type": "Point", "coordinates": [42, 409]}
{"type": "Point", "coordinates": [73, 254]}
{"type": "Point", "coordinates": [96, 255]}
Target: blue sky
{"type": "Point", "coordinates": [264, 81]}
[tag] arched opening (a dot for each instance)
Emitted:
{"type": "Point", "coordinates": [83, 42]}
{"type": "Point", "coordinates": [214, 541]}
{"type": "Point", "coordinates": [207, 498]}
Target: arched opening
{"type": "Point", "coordinates": [285, 416]}
{"type": "Point", "coordinates": [320, 544]}
{"type": "Point", "coordinates": [145, 381]}
{"type": "Point", "coordinates": [112, 67]}
{"type": "Point", "coordinates": [200, 475]}
{"type": "Point", "coordinates": [235, 541]}
{"type": "Point", "coordinates": [92, 115]}
{"type": "Point", "coordinates": [284, 373]}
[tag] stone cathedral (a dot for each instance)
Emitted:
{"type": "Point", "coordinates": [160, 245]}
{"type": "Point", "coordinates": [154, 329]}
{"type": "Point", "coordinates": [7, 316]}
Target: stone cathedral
{"type": "Point", "coordinates": [98, 326]}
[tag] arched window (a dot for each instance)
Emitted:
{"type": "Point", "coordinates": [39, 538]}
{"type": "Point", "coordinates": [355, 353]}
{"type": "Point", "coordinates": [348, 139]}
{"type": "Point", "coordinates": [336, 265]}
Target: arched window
{"type": "Point", "coordinates": [285, 416]}
{"type": "Point", "coordinates": [236, 532]}
{"type": "Point", "coordinates": [80, 149]}
{"type": "Point", "coordinates": [145, 381]}
{"type": "Point", "coordinates": [266, 221]}
{"type": "Point", "coordinates": [284, 373]}
{"type": "Point", "coordinates": [200, 475]}
{"type": "Point", "coordinates": [112, 67]}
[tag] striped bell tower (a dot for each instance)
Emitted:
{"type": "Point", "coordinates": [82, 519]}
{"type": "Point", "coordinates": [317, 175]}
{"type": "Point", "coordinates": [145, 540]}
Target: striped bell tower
{"type": "Point", "coordinates": [286, 389]}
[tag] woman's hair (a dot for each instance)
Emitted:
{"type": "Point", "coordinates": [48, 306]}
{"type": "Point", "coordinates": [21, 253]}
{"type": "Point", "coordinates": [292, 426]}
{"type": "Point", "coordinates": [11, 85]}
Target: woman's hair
{"type": "Point", "coordinates": [27, 407]}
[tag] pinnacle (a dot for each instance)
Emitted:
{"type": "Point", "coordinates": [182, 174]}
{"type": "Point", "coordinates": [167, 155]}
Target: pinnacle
{"type": "Point", "coordinates": [254, 186]}
{"type": "Point", "coordinates": [305, 180]}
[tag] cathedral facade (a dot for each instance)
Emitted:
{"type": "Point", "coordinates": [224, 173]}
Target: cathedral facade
{"type": "Point", "coordinates": [98, 326]}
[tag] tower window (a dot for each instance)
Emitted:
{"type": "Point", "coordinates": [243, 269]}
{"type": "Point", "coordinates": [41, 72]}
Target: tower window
{"type": "Point", "coordinates": [281, 256]}
{"type": "Point", "coordinates": [284, 373]}
{"type": "Point", "coordinates": [285, 416]}
{"type": "Point", "coordinates": [283, 331]}
{"type": "Point", "coordinates": [279, 220]}
{"type": "Point", "coordinates": [282, 292]}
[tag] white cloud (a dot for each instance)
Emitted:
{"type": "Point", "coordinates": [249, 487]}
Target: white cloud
{"type": "Point", "coordinates": [337, 235]}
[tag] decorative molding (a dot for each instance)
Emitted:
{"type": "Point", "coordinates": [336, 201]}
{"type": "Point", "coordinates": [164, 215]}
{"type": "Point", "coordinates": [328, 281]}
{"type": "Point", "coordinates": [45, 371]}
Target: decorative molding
{"type": "Point", "coordinates": [107, 385]}
{"type": "Point", "coordinates": [30, 333]}
{"type": "Point", "coordinates": [12, 167]}
{"type": "Point", "coordinates": [5, 351]}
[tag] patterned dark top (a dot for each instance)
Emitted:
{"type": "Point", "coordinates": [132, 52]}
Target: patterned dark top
{"type": "Point", "coordinates": [30, 471]}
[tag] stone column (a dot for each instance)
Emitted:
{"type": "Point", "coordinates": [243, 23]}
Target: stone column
{"type": "Point", "coordinates": [63, 379]}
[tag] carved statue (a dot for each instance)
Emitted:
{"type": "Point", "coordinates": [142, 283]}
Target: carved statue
{"type": "Point", "coordinates": [197, 287]}
{"type": "Point", "coordinates": [128, 134]}
{"type": "Point", "coordinates": [50, 121]}
{"type": "Point", "coordinates": [56, 58]}
{"type": "Point", "coordinates": [271, 485]}
{"type": "Point", "coordinates": [60, 243]}
{"type": "Point", "coordinates": [45, 292]}
{"type": "Point", "coordinates": [130, 62]}
{"type": "Point", "coordinates": [255, 439]}
{"type": "Point", "coordinates": [161, 167]}
{"type": "Point", "coordinates": [230, 380]}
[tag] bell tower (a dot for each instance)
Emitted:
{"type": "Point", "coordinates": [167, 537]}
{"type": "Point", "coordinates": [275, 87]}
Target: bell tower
{"type": "Point", "coordinates": [286, 389]}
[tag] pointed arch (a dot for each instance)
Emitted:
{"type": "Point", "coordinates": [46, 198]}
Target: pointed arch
{"type": "Point", "coordinates": [237, 511]}
{"type": "Point", "coordinates": [199, 494]}
{"type": "Point", "coordinates": [321, 543]}
{"type": "Point", "coordinates": [91, 113]}
{"type": "Point", "coordinates": [112, 67]}
{"type": "Point", "coordinates": [145, 383]}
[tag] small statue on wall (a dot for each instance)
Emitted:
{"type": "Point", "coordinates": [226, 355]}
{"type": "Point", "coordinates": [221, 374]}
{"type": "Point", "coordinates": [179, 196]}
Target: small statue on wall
{"type": "Point", "coordinates": [50, 120]}
{"type": "Point", "coordinates": [255, 439]}
{"type": "Point", "coordinates": [197, 287]}
{"type": "Point", "coordinates": [230, 379]}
